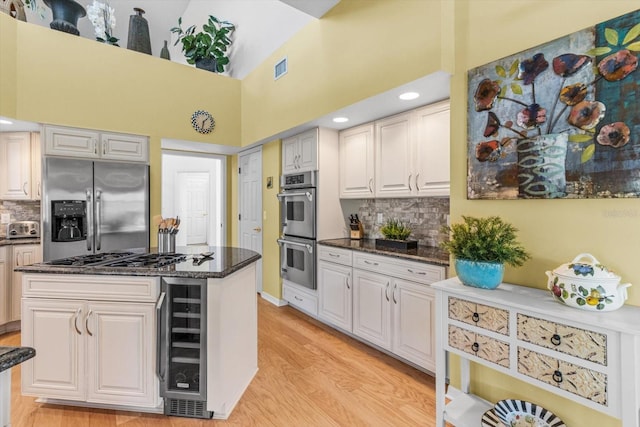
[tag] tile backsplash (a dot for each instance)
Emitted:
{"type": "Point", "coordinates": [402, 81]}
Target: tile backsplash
{"type": "Point", "coordinates": [425, 216]}
{"type": "Point", "coordinates": [19, 211]}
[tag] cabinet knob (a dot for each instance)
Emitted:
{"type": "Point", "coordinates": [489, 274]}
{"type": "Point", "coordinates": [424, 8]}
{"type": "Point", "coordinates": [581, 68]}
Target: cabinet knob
{"type": "Point", "coordinates": [475, 347]}
{"type": "Point", "coordinates": [555, 339]}
{"type": "Point", "coordinates": [557, 376]}
{"type": "Point", "coordinates": [475, 317]}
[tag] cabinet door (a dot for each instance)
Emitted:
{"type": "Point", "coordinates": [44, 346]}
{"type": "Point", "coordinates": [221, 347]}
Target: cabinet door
{"type": "Point", "coordinates": [372, 307]}
{"type": "Point", "coordinates": [116, 146]}
{"type": "Point", "coordinates": [357, 162]}
{"type": "Point", "coordinates": [308, 151]}
{"type": "Point", "coordinates": [431, 150]}
{"type": "Point", "coordinates": [22, 255]}
{"type": "Point", "coordinates": [4, 286]}
{"type": "Point", "coordinates": [393, 156]}
{"type": "Point", "coordinates": [120, 353]}
{"type": "Point", "coordinates": [15, 166]}
{"type": "Point", "coordinates": [290, 155]}
{"type": "Point", "coordinates": [36, 166]}
{"type": "Point", "coordinates": [413, 323]}
{"type": "Point", "coordinates": [334, 294]}
{"type": "Point", "coordinates": [72, 142]}
{"type": "Point", "coordinates": [54, 328]}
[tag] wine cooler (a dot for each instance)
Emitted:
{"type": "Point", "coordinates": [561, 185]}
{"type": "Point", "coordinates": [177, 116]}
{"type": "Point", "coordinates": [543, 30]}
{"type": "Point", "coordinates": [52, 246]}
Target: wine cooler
{"type": "Point", "coordinates": [182, 347]}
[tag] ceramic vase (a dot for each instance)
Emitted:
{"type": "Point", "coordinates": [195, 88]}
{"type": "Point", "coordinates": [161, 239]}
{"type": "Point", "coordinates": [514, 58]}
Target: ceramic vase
{"type": "Point", "coordinates": [164, 52]}
{"type": "Point", "coordinates": [65, 15]}
{"type": "Point", "coordinates": [138, 38]}
{"type": "Point", "coordinates": [486, 275]}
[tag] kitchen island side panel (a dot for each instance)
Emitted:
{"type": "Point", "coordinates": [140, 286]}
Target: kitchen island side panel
{"type": "Point", "coordinates": [232, 339]}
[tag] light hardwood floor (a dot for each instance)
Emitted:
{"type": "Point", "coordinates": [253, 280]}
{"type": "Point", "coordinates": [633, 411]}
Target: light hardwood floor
{"type": "Point", "coordinates": [309, 375]}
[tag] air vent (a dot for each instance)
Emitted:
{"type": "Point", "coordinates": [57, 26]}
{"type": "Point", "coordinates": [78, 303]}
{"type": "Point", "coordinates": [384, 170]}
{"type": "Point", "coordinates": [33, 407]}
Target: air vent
{"type": "Point", "coordinates": [280, 68]}
{"type": "Point", "coordinates": [186, 408]}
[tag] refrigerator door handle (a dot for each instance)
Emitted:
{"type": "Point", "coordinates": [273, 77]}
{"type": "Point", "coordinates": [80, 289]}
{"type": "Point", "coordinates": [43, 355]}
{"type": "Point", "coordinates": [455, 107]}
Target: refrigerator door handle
{"type": "Point", "coordinates": [98, 219]}
{"type": "Point", "coordinates": [89, 220]}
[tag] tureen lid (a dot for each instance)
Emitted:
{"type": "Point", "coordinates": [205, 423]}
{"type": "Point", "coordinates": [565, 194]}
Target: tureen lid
{"type": "Point", "coordinates": [587, 266]}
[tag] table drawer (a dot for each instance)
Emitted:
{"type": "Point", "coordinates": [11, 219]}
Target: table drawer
{"type": "Point", "coordinates": [575, 379]}
{"type": "Point", "coordinates": [479, 345]}
{"type": "Point", "coordinates": [480, 315]}
{"type": "Point", "coordinates": [390, 266]}
{"type": "Point", "coordinates": [581, 343]}
{"type": "Point", "coordinates": [337, 255]}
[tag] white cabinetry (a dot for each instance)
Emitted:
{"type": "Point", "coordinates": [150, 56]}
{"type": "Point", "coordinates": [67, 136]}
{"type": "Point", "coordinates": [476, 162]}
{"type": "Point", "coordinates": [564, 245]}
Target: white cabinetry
{"type": "Point", "coordinates": [21, 255]}
{"type": "Point", "coordinates": [431, 170]}
{"type": "Point", "coordinates": [300, 152]}
{"type": "Point", "coordinates": [94, 336]}
{"type": "Point", "coordinates": [93, 144]}
{"type": "Point", "coordinates": [393, 154]}
{"type": "Point", "coordinates": [523, 332]}
{"type": "Point", "coordinates": [4, 285]}
{"type": "Point", "coordinates": [357, 162]}
{"type": "Point", "coordinates": [335, 287]}
{"type": "Point", "coordinates": [19, 166]}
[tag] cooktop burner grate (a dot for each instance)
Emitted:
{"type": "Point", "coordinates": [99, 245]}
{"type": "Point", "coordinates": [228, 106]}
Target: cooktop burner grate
{"type": "Point", "coordinates": [121, 259]}
{"type": "Point", "coordinates": [84, 260]}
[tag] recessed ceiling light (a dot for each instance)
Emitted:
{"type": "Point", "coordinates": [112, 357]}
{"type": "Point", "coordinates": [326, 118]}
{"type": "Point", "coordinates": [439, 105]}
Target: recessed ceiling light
{"type": "Point", "coordinates": [340, 119]}
{"type": "Point", "coordinates": [408, 96]}
{"type": "Point", "coordinates": [5, 122]}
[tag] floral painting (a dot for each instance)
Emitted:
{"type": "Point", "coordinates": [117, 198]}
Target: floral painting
{"type": "Point", "coordinates": [561, 120]}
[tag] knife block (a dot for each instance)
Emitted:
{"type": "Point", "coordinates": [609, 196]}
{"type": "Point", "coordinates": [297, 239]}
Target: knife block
{"type": "Point", "coordinates": [357, 232]}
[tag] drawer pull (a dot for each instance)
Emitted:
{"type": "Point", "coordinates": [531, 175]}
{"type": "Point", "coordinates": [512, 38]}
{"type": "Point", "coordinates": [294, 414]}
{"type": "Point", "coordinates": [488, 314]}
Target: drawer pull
{"type": "Point", "coordinates": [370, 263]}
{"type": "Point", "coordinates": [475, 347]}
{"type": "Point", "coordinates": [416, 272]}
{"type": "Point", "coordinates": [334, 255]}
{"type": "Point", "coordinates": [557, 376]}
{"type": "Point", "coordinates": [555, 339]}
{"type": "Point", "coordinates": [475, 317]}
{"type": "Point", "coordinates": [297, 298]}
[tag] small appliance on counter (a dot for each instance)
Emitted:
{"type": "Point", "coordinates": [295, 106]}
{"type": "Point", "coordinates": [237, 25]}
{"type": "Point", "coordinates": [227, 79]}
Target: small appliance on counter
{"type": "Point", "coordinates": [357, 232]}
{"type": "Point", "coordinates": [23, 230]}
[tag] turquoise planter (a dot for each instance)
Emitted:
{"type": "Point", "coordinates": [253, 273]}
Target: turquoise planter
{"type": "Point", "coordinates": [486, 275]}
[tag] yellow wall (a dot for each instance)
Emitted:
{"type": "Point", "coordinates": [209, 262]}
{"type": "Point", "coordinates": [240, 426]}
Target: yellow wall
{"type": "Point", "coordinates": [554, 231]}
{"type": "Point", "coordinates": [7, 69]}
{"type": "Point", "coordinates": [271, 160]}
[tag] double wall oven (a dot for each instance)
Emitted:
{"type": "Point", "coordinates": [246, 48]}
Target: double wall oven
{"type": "Point", "coordinates": [298, 239]}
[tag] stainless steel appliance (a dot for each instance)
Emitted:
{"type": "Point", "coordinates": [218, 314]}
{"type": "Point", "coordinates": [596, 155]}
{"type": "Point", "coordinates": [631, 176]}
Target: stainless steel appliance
{"type": "Point", "coordinates": [93, 206]}
{"type": "Point", "coordinates": [23, 229]}
{"type": "Point", "coordinates": [298, 240]}
{"type": "Point", "coordinates": [182, 347]}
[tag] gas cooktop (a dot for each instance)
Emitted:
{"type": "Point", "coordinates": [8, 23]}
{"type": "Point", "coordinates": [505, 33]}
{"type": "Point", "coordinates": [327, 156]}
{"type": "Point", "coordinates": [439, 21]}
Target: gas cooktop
{"type": "Point", "coordinates": [120, 259]}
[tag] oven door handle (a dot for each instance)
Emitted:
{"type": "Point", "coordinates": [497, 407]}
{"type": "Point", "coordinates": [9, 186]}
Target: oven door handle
{"type": "Point", "coordinates": [289, 242]}
{"type": "Point", "coordinates": [307, 194]}
{"type": "Point", "coordinates": [159, 304]}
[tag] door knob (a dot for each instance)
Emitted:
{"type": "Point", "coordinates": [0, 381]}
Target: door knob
{"type": "Point", "coordinates": [257, 229]}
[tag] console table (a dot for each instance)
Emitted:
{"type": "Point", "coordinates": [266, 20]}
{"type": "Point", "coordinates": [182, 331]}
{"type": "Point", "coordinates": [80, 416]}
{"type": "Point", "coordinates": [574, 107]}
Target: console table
{"type": "Point", "coordinates": [588, 357]}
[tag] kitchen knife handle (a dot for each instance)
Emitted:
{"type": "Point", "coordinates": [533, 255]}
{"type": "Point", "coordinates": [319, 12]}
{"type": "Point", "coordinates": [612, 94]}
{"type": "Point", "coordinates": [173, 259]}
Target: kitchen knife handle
{"type": "Point", "coordinates": [98, 219]}
{"type": "Point", "coordinates": [89, 220]}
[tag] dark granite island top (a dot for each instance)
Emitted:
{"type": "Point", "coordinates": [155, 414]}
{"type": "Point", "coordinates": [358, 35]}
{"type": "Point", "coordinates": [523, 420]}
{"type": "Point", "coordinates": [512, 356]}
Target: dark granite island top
{"type": "Point", "coordinates": [426, 254]}
{"type": "Point", "coordinates": [12, 356]}
{"type": "Point", "coordinates": [224, 261]}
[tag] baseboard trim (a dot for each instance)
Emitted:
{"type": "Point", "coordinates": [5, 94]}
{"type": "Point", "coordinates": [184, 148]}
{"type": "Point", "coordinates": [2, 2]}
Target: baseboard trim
{"type": "Point", "coordinates": [273, 300]}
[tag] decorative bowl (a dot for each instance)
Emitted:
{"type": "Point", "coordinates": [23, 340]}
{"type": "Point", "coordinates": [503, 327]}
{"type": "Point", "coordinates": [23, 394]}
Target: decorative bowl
{"type": "Point", "coordinates": [587, 284]}
{"type": "Point", "coordinates": [485, 275]}
{"type": "Point", "coordinates": [518, 413]}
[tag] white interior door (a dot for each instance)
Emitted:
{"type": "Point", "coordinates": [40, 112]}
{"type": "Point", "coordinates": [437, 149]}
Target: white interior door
{"type": "Point", "coordinates": [194, 206]}
{"type": "Point", "coordinates": [250, 209]}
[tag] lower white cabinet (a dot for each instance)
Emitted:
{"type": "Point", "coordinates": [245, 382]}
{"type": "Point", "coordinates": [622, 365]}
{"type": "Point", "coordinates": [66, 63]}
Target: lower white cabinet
{"type": "Point", "coordinates": [334, 294]}
{"type": "Point", "coordinates": [300, 297]}
{"type": "Point", "coordinates": [4, 283]}
{"type": "Point", "coordinates": [22, 255]}
{"type": "Point", "coordinates": [89, 350]}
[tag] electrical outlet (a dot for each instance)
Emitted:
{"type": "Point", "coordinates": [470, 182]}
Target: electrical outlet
{"type": "Point", "coordinates": [5, 218]}
{"type": "Point", "coordinates": [448, 220]}
{"type": "Point", "coordinates": [380, 218]}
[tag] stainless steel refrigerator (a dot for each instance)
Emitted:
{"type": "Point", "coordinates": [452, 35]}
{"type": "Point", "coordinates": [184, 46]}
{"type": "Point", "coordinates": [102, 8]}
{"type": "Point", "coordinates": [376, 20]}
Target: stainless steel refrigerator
{"type": "Point", "coordinates": [93, 207]}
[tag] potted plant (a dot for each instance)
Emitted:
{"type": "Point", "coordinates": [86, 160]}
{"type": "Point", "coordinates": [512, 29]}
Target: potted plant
{"type": "Point", "coordinates": [395, 236]}
{"type": "Point", "coordinates": [206, 49]}
{"type": "Point", "coordinates": [481, 247]}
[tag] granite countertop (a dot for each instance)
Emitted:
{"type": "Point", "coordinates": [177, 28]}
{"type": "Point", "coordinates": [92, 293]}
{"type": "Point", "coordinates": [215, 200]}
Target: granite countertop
{"type": "Point", "coordinates": [26, 241]}
{"type": "Point", "coordinates": [225, 261]}
{"type": "Point", "coordinates": [12, 356]}
{"type": "Point", "coordinates": [426, 254]}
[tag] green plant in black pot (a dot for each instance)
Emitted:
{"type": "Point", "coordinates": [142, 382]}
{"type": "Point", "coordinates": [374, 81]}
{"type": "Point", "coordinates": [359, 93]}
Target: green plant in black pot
{"type": "Point", "coordinates": [481, 247]}
{"type": "Point", "coordinates": [395, 230]}
{"type": "Point", "coordinates": [206, 49]}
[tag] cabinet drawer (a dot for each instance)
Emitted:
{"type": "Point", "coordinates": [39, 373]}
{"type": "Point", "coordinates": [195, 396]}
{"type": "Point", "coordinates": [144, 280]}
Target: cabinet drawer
{"type": "Point", "coordinates": [390, 266]}
{"type": "Point", "coordinates": [301, 299]}
{"type": "Point", "coordinates": [581, 343]}
{"type": "Point", "coordinates": [337, 255]}
{"type": "Point", "coordinates": [479, 345]}
{"type": "Point", "coordinates": [575, 379]}
{"type": "Point", "coordinates": [480, 315]}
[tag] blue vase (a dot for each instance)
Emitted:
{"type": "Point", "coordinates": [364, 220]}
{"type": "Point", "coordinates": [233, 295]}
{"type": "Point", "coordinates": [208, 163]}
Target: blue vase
{"type": "Point", "coordinates": [486, 275]}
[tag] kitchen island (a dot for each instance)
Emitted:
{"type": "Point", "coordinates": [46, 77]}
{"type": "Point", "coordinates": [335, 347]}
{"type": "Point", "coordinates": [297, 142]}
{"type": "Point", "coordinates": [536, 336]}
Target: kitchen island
{"type": "Point", "coordinates": [96, 330]}
{"type": "Point", "coordinates": [10, 357]}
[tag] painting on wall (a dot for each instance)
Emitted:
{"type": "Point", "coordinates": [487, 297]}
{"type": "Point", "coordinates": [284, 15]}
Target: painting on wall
{"type": "Point", "coordinates": [561, 120]}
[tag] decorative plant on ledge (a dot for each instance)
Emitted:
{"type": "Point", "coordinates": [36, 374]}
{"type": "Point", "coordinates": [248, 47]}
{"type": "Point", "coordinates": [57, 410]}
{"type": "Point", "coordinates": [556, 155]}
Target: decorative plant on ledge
{"type": "Point", "coordinates": [395, 230]}
{"type": "Point", "coordinates": [206, 49]}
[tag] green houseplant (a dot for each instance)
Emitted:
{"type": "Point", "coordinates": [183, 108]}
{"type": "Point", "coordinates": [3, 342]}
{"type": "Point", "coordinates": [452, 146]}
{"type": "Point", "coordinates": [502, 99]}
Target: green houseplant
{"type": "Point", "coordinates": [395, 235]}
{"type": "Point", "coordinates": [206, 49]}
{"type": "Point", "coordinates": [481, 247]}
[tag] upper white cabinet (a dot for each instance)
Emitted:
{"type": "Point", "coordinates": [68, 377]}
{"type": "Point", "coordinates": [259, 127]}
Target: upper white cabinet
{"type": "Point", "coordinates": [300, 152]}
{"type": "Point", "coordinates": [406, 155]}
{"type": "Point", "coordinates": [19, 166]}
{"type": "Point", "coordinates": [91, 144]}
{"type": "Point", "coordinates": [356, 162]}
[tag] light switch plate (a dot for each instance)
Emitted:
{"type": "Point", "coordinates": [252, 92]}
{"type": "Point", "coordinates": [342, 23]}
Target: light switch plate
{"type": "Point", "coordinates": [5, 218]}
{"type": "Point", "coordinates": [380, 218]}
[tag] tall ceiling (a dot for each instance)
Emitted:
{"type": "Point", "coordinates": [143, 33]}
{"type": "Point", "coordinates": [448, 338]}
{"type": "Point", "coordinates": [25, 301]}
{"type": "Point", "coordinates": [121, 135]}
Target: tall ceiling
{"type": "Point", "coordinates": [261, 25]}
